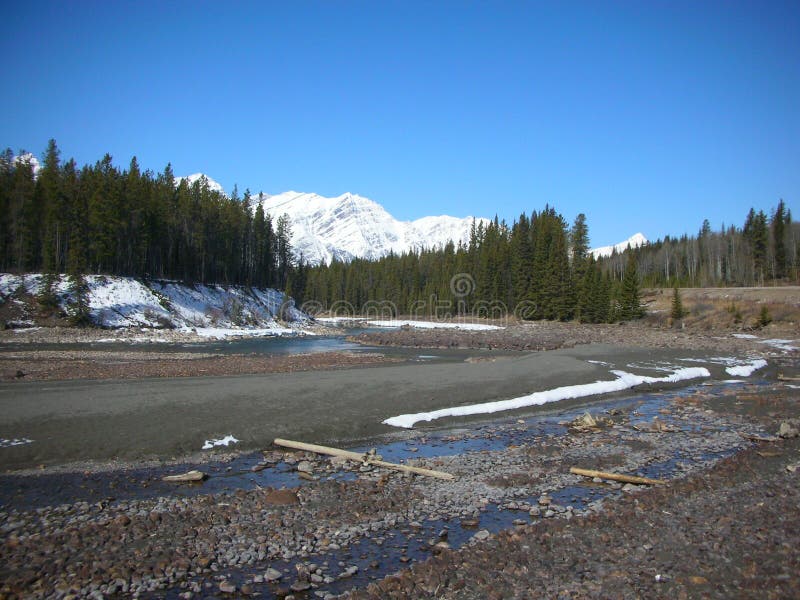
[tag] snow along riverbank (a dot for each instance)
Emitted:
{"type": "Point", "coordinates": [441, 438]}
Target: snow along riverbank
{"type": "Point", "coordinates": [212, 311]}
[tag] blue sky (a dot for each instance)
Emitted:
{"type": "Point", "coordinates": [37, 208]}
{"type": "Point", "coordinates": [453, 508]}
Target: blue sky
{"type": "Point", "coordinates": [646, 116]}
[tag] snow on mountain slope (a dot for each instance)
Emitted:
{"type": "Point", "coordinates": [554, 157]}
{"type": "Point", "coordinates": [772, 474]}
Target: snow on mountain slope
{"type": "Point", "coordinates": [351, 226]}
{"type": "Point", "coordinates": [190, 179]}
{"type": "Point", "coordinates": [634, 241]}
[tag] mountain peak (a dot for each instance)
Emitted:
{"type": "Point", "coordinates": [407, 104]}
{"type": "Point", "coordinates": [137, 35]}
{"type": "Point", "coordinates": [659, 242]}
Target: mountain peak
{"type": "Point", "coordinates": [636, 240]}
{"type": "Point", "coordinates": [350, 226]}
{"type": "Point", "coordinates": [190, 179]}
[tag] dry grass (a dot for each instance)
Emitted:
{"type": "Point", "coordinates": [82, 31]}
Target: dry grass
{"type": "Point", "coordinates": [710, 309]}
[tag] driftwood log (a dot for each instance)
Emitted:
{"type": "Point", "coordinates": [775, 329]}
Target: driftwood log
{"type": "Point", "coordinates": [617, 477]}
{"type": "Point", "coordinates": [362, 458]}
{"type": "Point", "coordinates": [185, 477]}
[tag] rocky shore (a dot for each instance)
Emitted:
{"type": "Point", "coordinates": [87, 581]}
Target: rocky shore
{"type": "Point", "coordinates": [514, 522]}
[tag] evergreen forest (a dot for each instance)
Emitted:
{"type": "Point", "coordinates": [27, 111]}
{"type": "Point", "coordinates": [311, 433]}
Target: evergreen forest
{"type": "Point", "coordinates": [101, 219]}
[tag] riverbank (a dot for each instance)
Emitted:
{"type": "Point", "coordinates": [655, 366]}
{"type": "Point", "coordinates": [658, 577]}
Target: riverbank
{"type": "Point", "coordinates": [514, 521]}
{"type": "Point", "coordinates": [97, 518]}
{"type": "Point", "coordinates": [81, 420]}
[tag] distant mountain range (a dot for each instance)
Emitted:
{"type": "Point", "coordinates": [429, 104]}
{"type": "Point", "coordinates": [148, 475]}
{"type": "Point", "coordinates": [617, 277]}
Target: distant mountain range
{"type": "Point", "coordinates": [351, 226]}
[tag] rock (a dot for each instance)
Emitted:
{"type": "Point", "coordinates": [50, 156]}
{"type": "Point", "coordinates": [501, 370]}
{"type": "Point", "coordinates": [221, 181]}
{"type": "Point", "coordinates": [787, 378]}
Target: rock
{"type": "Point", "coordinates": [305, 467]}
{"type": "Point", "coordinates": [483, 534]}
{"type": "Point", "coordinates": [272, 575]}
{"type": "Point", "coordinates": [535, 511]}
{"type": "Point", "coordinates": [349, 572]}
{"type": "Point", "coordinates": [300, 586]}
{"type": "Point", "coordinates": [282, 497]}
{"type": "Point", "coordinates": [544, 500]}
{"type": "Point", "coordinates": [788, 430]}
{"type": "Point", "coordinates": [247, 589]}
{"type": "Point", "coordinates": [123, 520]}
{"type": "Point", "coordinates": [227, 587]}
{"type": "Point", "coordinates": [189, 476]}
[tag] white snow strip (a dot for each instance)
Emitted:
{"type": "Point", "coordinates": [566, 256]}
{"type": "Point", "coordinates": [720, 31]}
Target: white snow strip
{"type": "Point", "coordinates": [228, 439]}
{"type": "Point", "coordinates": [745, 336]}
{"type": "Point", "coordinates": [221, 333]}
{"type": "Point", "coordinates": [747, 369]}
{"type": "Point", "coordinates": [8, 443]}
{"type": "Point", "coordinates": [434, 325]}
{"type": "Point", "coordinates": [623, 381]}
{"type": "Point", "coordinates": [785, 345]}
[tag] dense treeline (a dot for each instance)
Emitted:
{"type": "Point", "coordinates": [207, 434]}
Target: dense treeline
{"type": "Point", "coordinates": [765, 250]}
{"type": "Point", "coordinates": [98, 219]}
{"type": "Point", "coordinates": [538, 268]}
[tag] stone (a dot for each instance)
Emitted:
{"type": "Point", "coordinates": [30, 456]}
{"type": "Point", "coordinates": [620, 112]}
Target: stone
{"type": "Point", "coordinates": [300, 586]}
{"type": "Point", "coordinates": [787, 430]}
{"type": "Point", "coordinates": [282, 497]}
{"type": "Point", "coordinates": [227, 587]}
{"type": "Point", "coordinates": [305, 467]}
{"type": "Point", "coordinates": [483, 534]}
{"type": "Point", "coordinates": [272, 575]}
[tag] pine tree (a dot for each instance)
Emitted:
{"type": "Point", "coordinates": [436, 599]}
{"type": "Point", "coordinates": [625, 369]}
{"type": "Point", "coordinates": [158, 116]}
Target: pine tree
{"type": "Point", "coordinates": [630, 306]}
{"type": "Point", "coordinates": [677, 313]}
{"type": "Point", "coordinates": [778, 240]}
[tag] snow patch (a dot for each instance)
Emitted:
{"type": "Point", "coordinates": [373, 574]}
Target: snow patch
{"type": "Point", "coordinates": [8, 443]}
{"type": "Point", "coordinates": [222, 311]}
{"type": "Point", "coordinates": [747, 369]}
{"type": "Point", "coordinates": [784, 345]}
{"type": "Point", "coordinates": [623, 381]}
{"type": "Point", "coordinates": [227, 440]}
{"type": "Point", "coordinates": [745, 336]}
{"type": "Point", "coordinates": [220, 333]}
{"type": "Point", "coordinates": [434, 325]}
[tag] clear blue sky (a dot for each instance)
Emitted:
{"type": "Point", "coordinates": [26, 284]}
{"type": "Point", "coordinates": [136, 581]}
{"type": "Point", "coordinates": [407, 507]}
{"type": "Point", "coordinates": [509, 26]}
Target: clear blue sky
{"type": "Point", "coordinates": [647, 116]}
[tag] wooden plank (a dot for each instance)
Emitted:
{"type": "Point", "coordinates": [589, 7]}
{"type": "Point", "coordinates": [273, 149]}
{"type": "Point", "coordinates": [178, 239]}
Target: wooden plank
{"type": "Point", "coordinates": [363, 458]}
{"type": "Point", "coordinates": [617, 477]}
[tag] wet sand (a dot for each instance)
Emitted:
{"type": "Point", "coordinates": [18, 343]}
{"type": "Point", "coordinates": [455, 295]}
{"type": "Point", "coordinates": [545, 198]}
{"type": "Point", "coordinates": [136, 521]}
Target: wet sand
{"type": "Point", "coordinates": [171, 418]}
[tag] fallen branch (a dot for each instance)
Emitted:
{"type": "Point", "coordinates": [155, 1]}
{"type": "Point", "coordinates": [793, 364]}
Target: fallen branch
{"type": "Point", "coordinates": [783, 377]}
{"type": "Point", "coordinates": [617, 477]}
{"type": "Point", "coordinates": [362, 458]}
{"type": "Point", "coordinates": [183, 477]}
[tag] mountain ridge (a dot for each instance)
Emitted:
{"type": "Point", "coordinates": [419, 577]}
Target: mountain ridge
{"type": "Point", "coordinates": [351, 226]}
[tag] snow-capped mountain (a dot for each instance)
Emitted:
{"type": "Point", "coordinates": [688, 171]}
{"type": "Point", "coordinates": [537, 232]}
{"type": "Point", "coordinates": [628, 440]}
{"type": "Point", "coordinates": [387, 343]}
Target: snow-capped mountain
{"type": "Point", "coordinates": [351, 226]}
{"type": "Point", "coordinates": [634, 241]}
{"type": "Point", "coordinates": [28, 157]}
{"type": "Point", "coordinates": [190, 179]}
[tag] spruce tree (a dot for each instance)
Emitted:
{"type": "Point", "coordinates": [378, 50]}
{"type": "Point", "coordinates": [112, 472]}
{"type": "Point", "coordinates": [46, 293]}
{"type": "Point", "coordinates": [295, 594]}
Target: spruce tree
{"type": "Point", "coordinates": [630, 306]}
{"type": "Point", "coordinates": [778, 240]}
{"type": "Point", "coordinates": [677, 313]}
